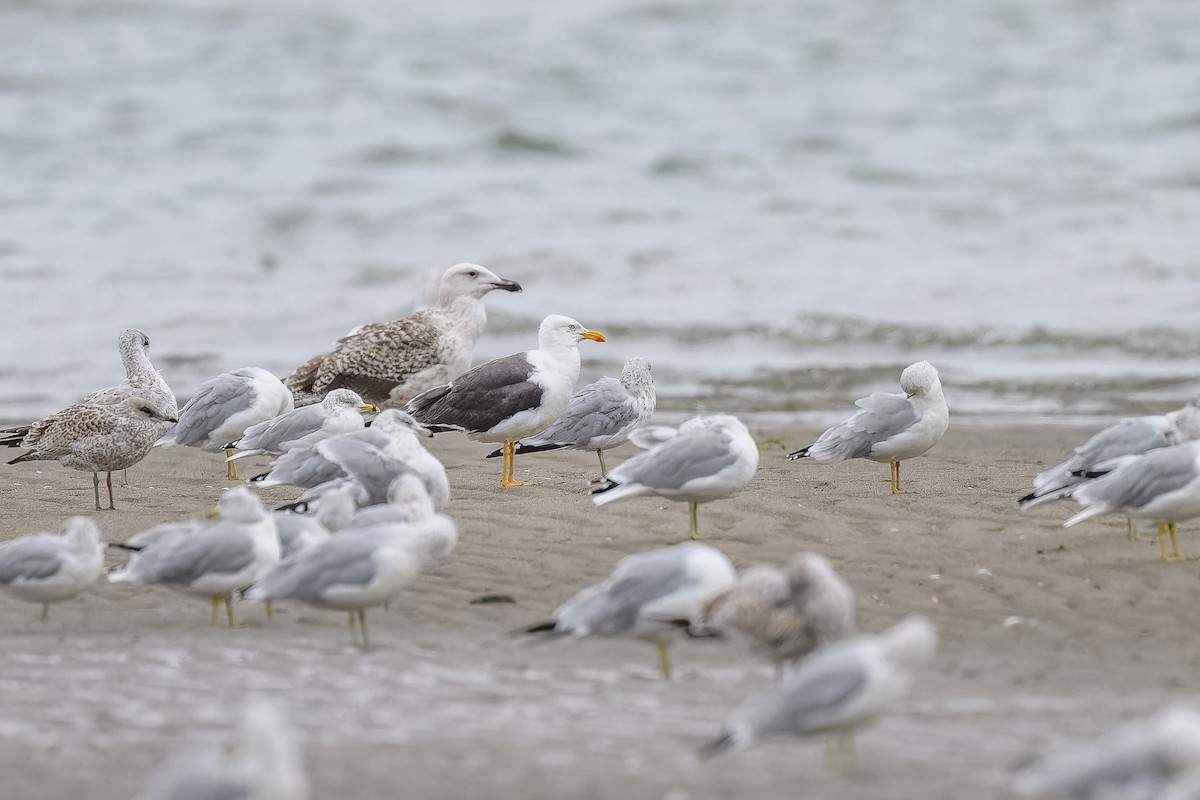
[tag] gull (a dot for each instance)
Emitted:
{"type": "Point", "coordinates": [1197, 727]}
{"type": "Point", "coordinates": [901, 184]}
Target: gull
{"type": "Point", "coordinates": [96, 438]}
{"type": "Point", "coordinates": [47, 568]}
{"type": "Point", "coordinates": [600, 416]}
{"type": "Point", "coordinates": [511, 397]}
{"type": "Point", "coordinates": [785, 614]}
{"type": "Point", "coordinates": [835, 690]}
{"type": "Point", "coordinates": [224, 407]}
{"type": "Point", "coordinates": [648, 596]}
{"type": "Point", "coordinates": [707, 458]}
{"type": "Point", "coordinates": [261, 762]}
{"type": "Point", "coordinates": [1133, 436]}
{"type": "Point", "coordinates": [430, 536]}
{"type": "Point", "coordinates": [299, 532]}
{"type": "Point", "coordinates": [218, 560]}
{"type": "Point", "coordinates": [337, 413]}
{"type": "Point", "coordinates": [395, 361]}
{"type": "Point", "coordinates": [1152, 757]}
{"type": "Point", "coordinates": [889, 427]}
{"type": "Point", "coordinates": [1161, 487]}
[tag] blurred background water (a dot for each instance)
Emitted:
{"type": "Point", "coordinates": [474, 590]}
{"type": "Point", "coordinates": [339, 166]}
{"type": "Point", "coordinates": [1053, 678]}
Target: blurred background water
{"type": "Point", "coordinates": [780, 204]}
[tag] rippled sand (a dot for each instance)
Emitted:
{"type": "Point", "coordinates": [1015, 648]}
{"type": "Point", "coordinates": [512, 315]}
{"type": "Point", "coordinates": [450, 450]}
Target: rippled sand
{"type": "Point", "coordinates": [451, 704]}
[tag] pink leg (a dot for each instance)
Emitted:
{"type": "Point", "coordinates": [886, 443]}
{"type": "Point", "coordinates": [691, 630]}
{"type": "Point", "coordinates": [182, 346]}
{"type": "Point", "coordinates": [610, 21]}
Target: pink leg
{"type": "Point", "coordinates": [96, 488]}
{"type": "Point", "coordinates": [111, 507]}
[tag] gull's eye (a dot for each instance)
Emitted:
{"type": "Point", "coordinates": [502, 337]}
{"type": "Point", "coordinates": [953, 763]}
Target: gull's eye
{"type": "Point", "coordinates": [472, 274]}
{"type": "Point", "coordinates": [573, 327]}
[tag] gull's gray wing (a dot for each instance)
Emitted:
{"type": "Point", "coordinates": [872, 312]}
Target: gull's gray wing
{"type": "Point", "coordinates": [34, 557]}
{"type": "Point", "coordinates": [293, 425]}
{"type": "Point", "coordinates": [677, 461]}
{"type": "Point", "coordinates": [347, 559]}
{"type": "Point", "coordinates": [815, 698]}
{"type": "Point", "coordinates": [481, 398]}
{"type": "Point", "coordinates": [1140, 481]}
{"type": "Point", "coordinates": [613, 606]}
{"type": "Point", "coordinates": [213, 404]}
{"type": "Point", "coordinates": [881, 416]}
{"type": "Point", "coordinates": [218, 549]}
{"type": "Point", "coordinates": [371, 468]}
{"type": "Point", "coordinates": [600, 409]}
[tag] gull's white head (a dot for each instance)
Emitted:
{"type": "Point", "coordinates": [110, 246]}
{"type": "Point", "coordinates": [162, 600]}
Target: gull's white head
{"type": "Point", "coordinates": [131, 341]}
{"type": "Point", "coordinates": [239, 504]}
{"type": "Point", "coordinates": [393, 420]}
{"type": "Point", "coordinates": [82, 532]}
{"type": "Point", "coordinates": [340, 399]}
{"type": "Point", "coordinates": [636, 370]}
{"type": "Point", "coordinates": [919, 378]}
{"type": "Point", "coordinates": [565, 332]}
{"type": "Point", "coordinates": [408, 496]}
{"type": "Point", "coordinates": [471, 280]}
{"type": "Point", "coordinates": [911, 642]}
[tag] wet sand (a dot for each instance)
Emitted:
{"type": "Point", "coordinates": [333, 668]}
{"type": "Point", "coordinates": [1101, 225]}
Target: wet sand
{"type": "Point", "coordinates": [1046, 633]}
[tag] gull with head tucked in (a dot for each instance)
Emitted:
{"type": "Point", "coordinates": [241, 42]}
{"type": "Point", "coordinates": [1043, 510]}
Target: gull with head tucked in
{"type": "Point", "coordinates": [512, 397]}
{"type": "Point", "coordinates": [836, 690]}
{"type": "Point", "coordinates": [47, 568]}
{"type": "Point", "coordinates": [649, 596]}
{"type": "Point", "coordinates": [339, 412]}
{"type": "Point", "coordinates": [600, 416]}
{"type": "Point", "coordinates": [391, 362]}
{"type": "Point", "coordinates": [707, 458]}
{"type": "Point", "coordinates": [224, 407]}
{"type": "Point", "coordinates": [889, 427]}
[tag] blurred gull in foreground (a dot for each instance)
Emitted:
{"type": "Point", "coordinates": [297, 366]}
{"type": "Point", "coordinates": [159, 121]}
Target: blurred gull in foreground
{"type": "Point", "coordinates": [706, 458]}
{"type": "Point", "coordinates": [836, 690]}
{"type": "Point", "coordinates": [223, 408]}
{"type": "Point", "coordinates": [600, 416]}
{"type": "Point", "coordinates": [648, 596]}
{"type": "Point", "coordinates": [47, 568]}
{"type": "Point", "coordinates": [785, 614]}
{"type": "Point", "coordinates": [889, 427]}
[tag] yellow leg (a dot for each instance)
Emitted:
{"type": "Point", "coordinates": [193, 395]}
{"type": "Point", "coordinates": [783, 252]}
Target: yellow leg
{"type": "Point", "coordinates": [1165, 530]}
{"type": "Point", "coordinates": [353, 635]}
{"type": "Point", "coordinates": [896, 478]}
{"type": "Point", "coordinates": [1132, 534]}
{"type": "Point", "coordinates": [1176, 555]}
{"type": "Point", "coordinates": [693, 529]}
{"type": "Point", "coordinates": [362, 626]}
{"type": "Point", "coordinates": [840, 754]}
{"type": "Point", "coordinates": [216, 604]}
{"type": "Point", "coordinates": [603, 469]}
{"type": "Point", "coordinates": [45, 611]}
{"type": "Point", "coordinates": [664, 660]}
{"type": "Point", "coordinates": [228, 611]}
{"type": "Point", "coordinates": [231, 472]}
{"type": "Point", "coordinates": [270, 610]}
{"type": "Point", "coordinates": [510, 466]}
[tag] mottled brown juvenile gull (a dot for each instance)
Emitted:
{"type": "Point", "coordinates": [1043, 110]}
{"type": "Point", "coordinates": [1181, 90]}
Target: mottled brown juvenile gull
{"type": "Point", "coordinates": [96, 438]}
{"type": "Point", "coordinates": [512, 397]}
{"type": "Point", "coordinates": [47, 568]}
{"type": "Point", "coordinates": [707, 458]}
{"type": "Point", "coordinates": [141, 378]}
{"type": "Point", "coordinates": [391, 362]}
{"type": "Point", "coordinates": [223, 408]}
{"type": "Point", "coordinates": [889, 427]}
{"type": "Point", "coordinates": [836, 690]}
{"type": "Point", "coordinates": [785, 614]}
{"type": "Point", "coordinates": [600, 416]}
{"type": "Point", "coordinates": [339, 412]}
{"type": "Point", "coordinates": [217, 560]}
{"type": "Point", "coordinates": [649, 596]}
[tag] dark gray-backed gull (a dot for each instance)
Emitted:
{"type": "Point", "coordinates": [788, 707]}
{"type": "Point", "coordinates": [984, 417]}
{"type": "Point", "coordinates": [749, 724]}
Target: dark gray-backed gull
{"type": "Point", "coordinates": [391, 362]}
{"type": "Point", "coordinates": [889, 427]}
{"type": "Point", "coordinates": [511, 397]}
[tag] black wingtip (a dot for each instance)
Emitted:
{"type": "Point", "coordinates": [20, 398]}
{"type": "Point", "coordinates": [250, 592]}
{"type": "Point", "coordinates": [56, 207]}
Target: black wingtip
{"type": "Point", "coordinates": [123, 546]}
{"type": "Point", "coordinates": [799, 454]}
{"type": "Point", "coordinates": [544, 628]}
{"type": "Point", "coordinates": [231, 446]}
{"type": "Point", "coordinates": [602, 485]}
{"type": "Point", "coordinates": [716, 746]}
{"type": "Point", "coordinates": [259, 478]}
{"type": "Point", "coordinates": [1029, 498]}
{"type": "Point", "coordinates": [23, 457]}
{"type": "Point", "coordinates": [1089, 473]}
{"type": "Point", "coordinates": [495, 454]}
{"type": "Point", "coordinates": [299, 507]}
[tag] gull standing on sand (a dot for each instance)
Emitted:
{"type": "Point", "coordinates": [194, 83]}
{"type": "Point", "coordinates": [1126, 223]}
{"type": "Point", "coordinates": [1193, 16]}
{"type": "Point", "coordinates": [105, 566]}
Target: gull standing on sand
{"type": "Point", "coordinates": [836, 690]}
{"type": "Point", "coordinates": [220, 558]}
{"type": "Point", "coordinates": [1129, 437]}
{"type": "Point", "coordinates": [338, 413]}
{"type": "Point", "coordinates": [512, 397]}
{"type": "Point", "coordinates": [429, 536]}
{"type": "Point", "coordinates": [223, 408]}
{"type": "Point", "coordinates": [141, 378]}
{"type": "Point", "coordinates": [298, 532]}
{"type": "Point", "coordinates": [785, 614]}
{"type": "Point", "coordinates": [600, 416]}
{"type": "Point", "coordinates": [649, 596]}
{"type": "Point", "coordinates": [707, 458]}
{"type": "Point", "coordinates": [261, 762]}
{"type": "Point", "coordinates": [1153, 757]}
{"type": "Point", "coordinates": [47, 568]}
{"type": "Point", "coordinates": [391, 362]}
{"type": "Point", "coordinates": [889, 427]}
{"type": "Point", "coordinates": [1161, 488]}
{"type": "Point", "coordinates": [96, 438]}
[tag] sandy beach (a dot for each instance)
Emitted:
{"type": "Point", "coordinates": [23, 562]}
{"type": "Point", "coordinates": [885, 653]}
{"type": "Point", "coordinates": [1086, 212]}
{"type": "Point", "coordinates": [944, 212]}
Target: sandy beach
{"type": "Point", "coordinates": [1038, 624]}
